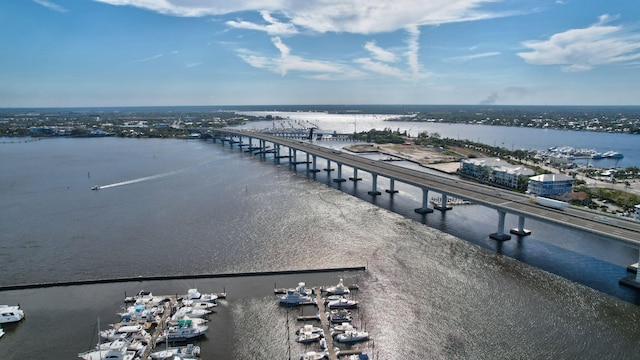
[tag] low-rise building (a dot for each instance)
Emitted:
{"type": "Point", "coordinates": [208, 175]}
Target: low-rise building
{"type": "Point", "coordinates": [497, 171]}
{"type": "Point", "coordinates": [550, 185]}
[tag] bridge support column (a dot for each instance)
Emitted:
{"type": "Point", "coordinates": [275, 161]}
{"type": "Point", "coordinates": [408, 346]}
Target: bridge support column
{"type": "Point", "coordinates": [444, 205]}
{"type": "Point", "coordinates": [355, 175]}
{"type": "Point", "coordinates": [276, 158]}
{"type": "Point", "coordinates": [339, 179]}
{"type": "Point", "coordinates": [520, 230]}
{"type": "Point", "coordinates": [307, 162]}
{"type": "Point", "coordinates": [328, 168]}
{"type": "Point", "coordinates": [314, 169]}
{"type": "Point", "coordinates": [500, 235]}
{"type": "Point", "coordinates": [425, 203]}
{"type": "Point", "coordinates": [392, 187]}
{"type": "Point", "coordinates": [374, 191]}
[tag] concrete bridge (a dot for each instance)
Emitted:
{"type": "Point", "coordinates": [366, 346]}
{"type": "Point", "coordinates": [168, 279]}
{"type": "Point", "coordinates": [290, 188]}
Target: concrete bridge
{"type": "Point", "coordinates": [615, 229]}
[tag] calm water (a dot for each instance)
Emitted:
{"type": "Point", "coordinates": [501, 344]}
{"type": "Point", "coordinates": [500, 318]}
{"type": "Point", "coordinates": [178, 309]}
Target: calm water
{"type": "Point", "coordinates": [501, 136]}
{"type": "Point", "coordinates": [191, 207]}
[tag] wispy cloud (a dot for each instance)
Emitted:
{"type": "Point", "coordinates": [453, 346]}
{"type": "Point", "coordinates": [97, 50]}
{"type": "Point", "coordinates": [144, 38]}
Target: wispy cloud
{"type": "Point", "coordinates": [583, 49]}
{"type": "Point", "coordinates": [192, 65]}
{"type": "Point", "coordinates": [350, 16]}
{"type": "Point", "coordinates": [379, 53]}
{"type": "Point", "coordinates": [288, 62]}
{"type": "Point", "coordinates": [50, 5]}
{"type": "Point", "coordinates": [466, 58]}
{"type": "Point", "coordinates": [300, 18]}
{"type": "Point", "coordinates": [147, 58]}
{"type": "Point", "coordinates": [274, 27]}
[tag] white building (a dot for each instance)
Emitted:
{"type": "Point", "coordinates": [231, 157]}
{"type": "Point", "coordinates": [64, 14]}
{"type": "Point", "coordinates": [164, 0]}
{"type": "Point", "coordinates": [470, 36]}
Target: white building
{"type": "Point", "coordinates": [550, 185]}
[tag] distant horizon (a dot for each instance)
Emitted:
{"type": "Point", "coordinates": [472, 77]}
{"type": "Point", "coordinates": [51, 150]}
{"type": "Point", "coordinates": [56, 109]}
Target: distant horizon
{"type": "Point", "coordinates": [132, 53]}
{"type": "Point", "coordinates": [268, 107]}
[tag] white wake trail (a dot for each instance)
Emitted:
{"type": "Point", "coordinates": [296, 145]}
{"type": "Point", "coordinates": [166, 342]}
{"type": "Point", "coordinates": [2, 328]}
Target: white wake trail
{"type": "Point", "coordinates": [134, 181]}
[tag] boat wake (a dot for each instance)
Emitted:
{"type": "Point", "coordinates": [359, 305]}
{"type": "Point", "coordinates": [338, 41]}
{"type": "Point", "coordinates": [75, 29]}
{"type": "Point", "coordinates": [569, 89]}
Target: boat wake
{"type": "Point", "coordinates": [135, 181]}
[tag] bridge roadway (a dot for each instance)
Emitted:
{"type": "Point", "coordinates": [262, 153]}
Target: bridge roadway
{"type": "Point", "coordinates": [613, 228]}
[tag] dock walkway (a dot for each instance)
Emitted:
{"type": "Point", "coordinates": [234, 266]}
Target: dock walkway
{"type": "Point", "coordinates": [159, 328]}
{"type": "Point", "coordinates": [325, 324]}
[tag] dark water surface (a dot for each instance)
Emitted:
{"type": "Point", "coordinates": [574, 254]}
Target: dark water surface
{"type": "Point", "coordinates": [170, 207]}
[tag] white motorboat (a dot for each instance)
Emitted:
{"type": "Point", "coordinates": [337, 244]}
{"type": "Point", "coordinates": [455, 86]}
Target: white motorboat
{"type": "Point", "coordinates": [188, 311]}
{"type": "Point", "coordinates": [294, 298]}
{"type": "Point", "coordinates": [185, 330]}
{"type": "Point", "coordinates": [351, 336]}
{"type": "Point", "coordinates": [194, 294]}
{"type": "Point", "coordinates": [118, 350]}
{"type": "Point", "coordinates": [196, 304]}
{"type": "Point", "coordinates": [339, 289]}
{"type": "Point", "coordinates": [342, 303]}
{"type": "Point", "coordinates": [309, 328]}
{"type": "Point", "coordinates": [339, 316]}
{"type": "Point", "coordinates": [131, 332]}
{"type": "Point", "coordinates": [340, 328]}
{"type": "Point", "coordinates": [307, 337]}
{"type": "Point", "coordinates": [312, 355]}
{"type": "Point", "coordinates": [171, 353]}
{"type": "Point", "coordinates": [132, 345]}
{"type": "Point", "coordinates": [10, 313]}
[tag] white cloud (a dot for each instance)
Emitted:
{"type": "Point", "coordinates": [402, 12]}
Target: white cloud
{"type": "Point", "coordinates": [148, 58]}
{"type": "Point", "coordinates": [287, 62]}
{"type": "Point", "coordinates": [382, 68]}
{"type": "Point", "coordinates": [50, 5]}
{"type": "Point", "coordinates": [351, 16]}
{"type": "Point", "coordinates": [379, 53]}
{"type": "Point", "coordinates": [192, 65]}
{"type": "Point", "coordinates": [466, 58]}
{"type": "Point", "coordinates": [584, 49]}
{"type": "Point", "coordinates": [274, 27]}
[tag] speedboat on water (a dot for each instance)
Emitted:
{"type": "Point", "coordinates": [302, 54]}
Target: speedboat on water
{"type": "Point", "coordinates": [10, 313]}
{"type": "Point", "coordinates": [351, 336]}
{"type": "Point", "coordinates": [338, 289]}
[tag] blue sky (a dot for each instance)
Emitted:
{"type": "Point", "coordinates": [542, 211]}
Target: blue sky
{"type": "Point", "coordinates": [62, 53]}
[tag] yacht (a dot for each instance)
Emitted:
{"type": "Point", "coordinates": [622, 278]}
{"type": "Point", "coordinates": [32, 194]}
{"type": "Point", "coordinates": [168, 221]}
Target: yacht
{"type": "Point", "coordinates": [338, 289]}
{"type": "Point", "coordinates": [351, 336]}
{"type": "Point", "coordinates": [9, 313]}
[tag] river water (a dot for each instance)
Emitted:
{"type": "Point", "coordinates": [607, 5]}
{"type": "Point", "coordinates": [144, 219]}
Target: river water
{"type": "Point", "coordinates": [435, 286]}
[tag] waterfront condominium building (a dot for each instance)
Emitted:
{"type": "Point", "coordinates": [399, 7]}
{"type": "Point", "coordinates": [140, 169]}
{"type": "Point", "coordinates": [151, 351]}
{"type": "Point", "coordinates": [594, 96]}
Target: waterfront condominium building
{"type": "Point", "coordinates": [550, 185]}
{"type": "Point", "coordinates": [496, 171]}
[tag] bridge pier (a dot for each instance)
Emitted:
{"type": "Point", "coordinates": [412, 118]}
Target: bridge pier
{"type": "Point", "coordinates": [520, 230]}
{"type": "Point", "coordinates": [355, 175]}
{"type": "Point", "coordinates": [425, 203]}
{"type": "Point", "coordinates": [314, 169]}
{"type": "Point", "coordinates": [328, 168]}
{"type": "Point", "coordinates": [307, 156]}
{"type": "Point", "coordinates": [374, 191]}
{"type": "Point", "coordinates": [392, 187]}
{"type": "Point", "coordinates": [500, 235]}
{"type": "Point", "coordinates": [339, 179]}
{"type": "Point", "coordinates": [276, 157]}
